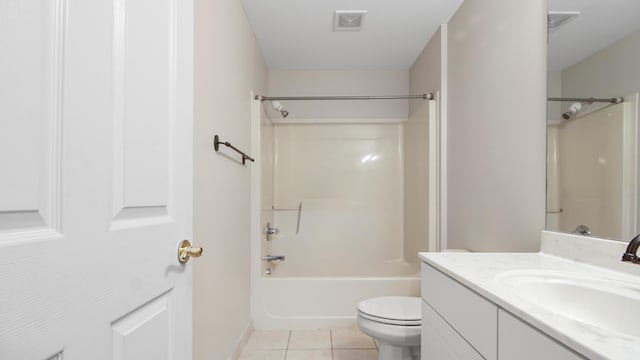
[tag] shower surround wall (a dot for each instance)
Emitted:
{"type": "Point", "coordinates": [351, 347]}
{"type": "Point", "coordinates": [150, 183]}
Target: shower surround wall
{"type": "Point", "coordinates": [338, 186]}
{"type": "Point", "coordinates": [592, 165]}
{"type": "Point", "coordinates": [339, 200]}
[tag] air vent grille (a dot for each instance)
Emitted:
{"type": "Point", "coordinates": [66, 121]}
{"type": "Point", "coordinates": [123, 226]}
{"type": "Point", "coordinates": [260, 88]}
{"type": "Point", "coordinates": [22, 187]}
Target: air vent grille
{"type": "Point", "coordinates": [558, 19]}
{"type": "Point", "coordinates": [348, 20]}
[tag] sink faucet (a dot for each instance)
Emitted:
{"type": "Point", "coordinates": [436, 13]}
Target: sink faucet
{"type": "Point", "coordinates": [631, 255]}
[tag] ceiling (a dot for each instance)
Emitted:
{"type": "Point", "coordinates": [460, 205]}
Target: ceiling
{"type": "Point", "coordinates": [600, 24]}
{"type": "Point", "coordinates": [298, 34]}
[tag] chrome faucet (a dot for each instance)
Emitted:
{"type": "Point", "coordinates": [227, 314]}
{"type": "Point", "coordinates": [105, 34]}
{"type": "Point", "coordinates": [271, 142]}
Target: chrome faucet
{"type": "Point", "coordinates": [631, 255]}
{"type": "Point", "coordinates": [270, 231]}
{"type": "Point", "coordinates": [273, 258]}
{"type": "Point", "coordinates": [582, 230]}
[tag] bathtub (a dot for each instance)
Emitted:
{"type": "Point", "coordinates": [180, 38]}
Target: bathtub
{"type": "Point", "coordinates": [321, 302]}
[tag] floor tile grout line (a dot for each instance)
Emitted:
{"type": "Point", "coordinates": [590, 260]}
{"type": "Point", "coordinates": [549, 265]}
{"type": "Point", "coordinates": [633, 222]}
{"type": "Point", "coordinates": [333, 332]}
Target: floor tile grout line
{"type": "Point", "coordinates": [331, 340]}
{"type": "Point", "coordinates": [333, 347]}
{"type": "Point", "coordinates": [286, 351]}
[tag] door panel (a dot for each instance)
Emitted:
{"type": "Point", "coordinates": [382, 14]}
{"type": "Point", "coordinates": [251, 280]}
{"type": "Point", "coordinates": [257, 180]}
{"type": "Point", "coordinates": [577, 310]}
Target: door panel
{"type": "Point", "coordinates": [30, 108]}
{"type": "Point", "coordinates": [148, 323]}
{"type": "Point", "coordinates": [31, 44]}
{"type": "Point", "coordinates": [95, 194]}
{"type": "Point", "coordinates": [144, 52]}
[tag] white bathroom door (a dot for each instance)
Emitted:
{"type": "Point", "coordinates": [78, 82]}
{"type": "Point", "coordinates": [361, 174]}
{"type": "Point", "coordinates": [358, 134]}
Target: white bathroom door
{"type": "Point", "coordinates": [96, 179]}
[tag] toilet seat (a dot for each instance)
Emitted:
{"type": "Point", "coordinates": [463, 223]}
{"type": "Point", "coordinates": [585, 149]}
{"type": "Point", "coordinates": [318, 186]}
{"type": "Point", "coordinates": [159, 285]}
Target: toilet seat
{"type": "Point", "coordinates": [390, 321]}
{"type": "Point", "coordinates": [392, 310]}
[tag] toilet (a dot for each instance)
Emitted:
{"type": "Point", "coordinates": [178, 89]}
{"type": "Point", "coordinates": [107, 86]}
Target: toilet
{"type": "Point", "coordinates": [395, 323]}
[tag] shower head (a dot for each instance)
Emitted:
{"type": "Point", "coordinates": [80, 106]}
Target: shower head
{"type": "Point", "coordinates": [278, 107]}
{"type": "Point", "coordinates": [573, 109]}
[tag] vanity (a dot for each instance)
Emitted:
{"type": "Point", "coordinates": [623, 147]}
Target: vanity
{"type": "Point", "coordinates": [574, 299]}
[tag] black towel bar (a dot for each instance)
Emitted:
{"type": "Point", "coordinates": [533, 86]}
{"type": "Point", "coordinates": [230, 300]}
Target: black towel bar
{"type": "Point", "coordinates": [216, 146]}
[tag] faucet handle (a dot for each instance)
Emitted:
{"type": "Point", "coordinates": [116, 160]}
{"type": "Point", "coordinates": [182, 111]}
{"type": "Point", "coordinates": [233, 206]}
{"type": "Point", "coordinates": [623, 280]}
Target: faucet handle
{"type": "Point", "coordinates": [269, 231]}
{"type": "Point", "coordinates": [582, 230]}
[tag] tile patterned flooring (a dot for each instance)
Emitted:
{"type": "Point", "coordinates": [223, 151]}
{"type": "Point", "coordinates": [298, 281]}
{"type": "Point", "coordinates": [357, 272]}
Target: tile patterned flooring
{"type": "Point", "coordinates": [323, 344]}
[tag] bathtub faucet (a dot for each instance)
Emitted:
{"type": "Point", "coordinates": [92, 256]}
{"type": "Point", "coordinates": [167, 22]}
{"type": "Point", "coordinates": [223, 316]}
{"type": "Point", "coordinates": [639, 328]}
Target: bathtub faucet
{"type": "Point", "coordinates": [273, 258]}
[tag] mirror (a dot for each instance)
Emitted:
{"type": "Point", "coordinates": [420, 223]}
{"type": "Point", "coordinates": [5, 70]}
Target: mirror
{"type": "Point", "coordinates": [592, 146]}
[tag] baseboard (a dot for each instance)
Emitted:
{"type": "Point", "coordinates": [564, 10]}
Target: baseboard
{"type": "Point", "coordinates": [242, 341]}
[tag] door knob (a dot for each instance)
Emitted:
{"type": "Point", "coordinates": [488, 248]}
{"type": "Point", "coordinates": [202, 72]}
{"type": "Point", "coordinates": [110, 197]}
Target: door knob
{"type": "Point", "coordinates": [186, 251]}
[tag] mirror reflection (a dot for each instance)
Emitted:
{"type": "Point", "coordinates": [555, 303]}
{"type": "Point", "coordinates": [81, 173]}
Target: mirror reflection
{"type": "Point", "coordinates": [592, 117]}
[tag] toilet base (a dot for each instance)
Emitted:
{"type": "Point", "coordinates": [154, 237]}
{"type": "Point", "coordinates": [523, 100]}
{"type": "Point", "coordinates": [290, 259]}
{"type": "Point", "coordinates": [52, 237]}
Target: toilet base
{"type": "Point", "coordinates": [392, 352]}
{"type": "Point", "coordinates": [394, 342]}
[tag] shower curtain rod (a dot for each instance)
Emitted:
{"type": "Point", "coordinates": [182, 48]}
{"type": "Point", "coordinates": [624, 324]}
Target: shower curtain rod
{"type": "Point", "coordinates": [616, 100]}
{"type": "Point", "coordinates": [428, 96]}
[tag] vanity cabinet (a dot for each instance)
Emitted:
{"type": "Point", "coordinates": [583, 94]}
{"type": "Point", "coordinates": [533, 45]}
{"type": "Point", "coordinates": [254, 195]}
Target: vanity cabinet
{"type": "Point", "coordinates": [459, 324]}
{"type": "Point", "coordinates": [440, 341]}
{"type": "Point", "coordinates": [519, 340]}
{"type": "Point", "coordinates": [471, 315]}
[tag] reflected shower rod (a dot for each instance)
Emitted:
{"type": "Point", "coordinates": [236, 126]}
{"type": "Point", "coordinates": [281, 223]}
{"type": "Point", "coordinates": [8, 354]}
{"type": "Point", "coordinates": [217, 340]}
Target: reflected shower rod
{"type": "Point", "coordinates": [616, 100]}
{"type": "Point", "coordinates": [428, 96]}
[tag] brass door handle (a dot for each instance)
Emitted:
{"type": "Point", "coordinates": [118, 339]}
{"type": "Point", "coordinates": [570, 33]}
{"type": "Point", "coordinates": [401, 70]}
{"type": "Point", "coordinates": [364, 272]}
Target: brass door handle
{"type": "Point", "coordinates": [186, 251]}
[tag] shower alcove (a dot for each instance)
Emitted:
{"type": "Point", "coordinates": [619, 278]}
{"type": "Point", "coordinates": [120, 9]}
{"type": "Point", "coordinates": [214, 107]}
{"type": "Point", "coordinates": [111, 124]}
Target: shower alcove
{"type": "Point", "coordinates": [332, 177]}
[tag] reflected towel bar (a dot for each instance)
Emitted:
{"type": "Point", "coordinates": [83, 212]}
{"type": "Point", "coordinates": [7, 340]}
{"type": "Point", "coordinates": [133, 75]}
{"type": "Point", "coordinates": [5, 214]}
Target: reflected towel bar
{"type": "Point", "coordinates": [216, 146]}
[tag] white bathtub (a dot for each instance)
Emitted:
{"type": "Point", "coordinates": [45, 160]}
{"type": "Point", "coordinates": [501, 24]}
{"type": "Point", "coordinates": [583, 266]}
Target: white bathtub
{"type": "Point", "coordinates": [319, 302]}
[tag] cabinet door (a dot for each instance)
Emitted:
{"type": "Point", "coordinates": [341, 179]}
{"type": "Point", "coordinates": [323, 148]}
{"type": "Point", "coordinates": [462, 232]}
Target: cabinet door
{"type": "Point", "coordinates": [518, 340]}
{"type": "Point", "coordinates": [472, 316]}
{"type": "Point", "coordinates": [440, 341]}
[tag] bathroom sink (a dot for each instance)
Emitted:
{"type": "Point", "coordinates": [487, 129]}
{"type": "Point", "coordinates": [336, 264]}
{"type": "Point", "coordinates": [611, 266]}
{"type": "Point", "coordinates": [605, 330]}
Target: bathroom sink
{"type": "Point", "coordinates": [606, 303]}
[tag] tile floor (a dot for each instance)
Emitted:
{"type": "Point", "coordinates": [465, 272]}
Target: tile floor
{"type": "Point", "coordinates": [323, 344]}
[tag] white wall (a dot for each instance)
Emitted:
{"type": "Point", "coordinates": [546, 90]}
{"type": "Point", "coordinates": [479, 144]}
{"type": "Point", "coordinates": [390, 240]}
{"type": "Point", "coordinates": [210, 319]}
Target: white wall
{"type": "Point", "coordinates": [228, 65]}
{"type": "Point", "coordinates": [424, 77]}
{"type": "Point", "coordinates": [496, 125]}
{"type": "Point", "coordinates": [340, 83]}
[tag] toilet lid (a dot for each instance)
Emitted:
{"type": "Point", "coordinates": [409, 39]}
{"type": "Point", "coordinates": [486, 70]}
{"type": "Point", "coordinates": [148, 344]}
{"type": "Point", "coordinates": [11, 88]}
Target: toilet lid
{"type": "Point", "coordinates": [396, 309]}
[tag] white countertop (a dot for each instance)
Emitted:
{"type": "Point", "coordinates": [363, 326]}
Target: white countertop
{"type": "Point", "coordinates": [478, 272]}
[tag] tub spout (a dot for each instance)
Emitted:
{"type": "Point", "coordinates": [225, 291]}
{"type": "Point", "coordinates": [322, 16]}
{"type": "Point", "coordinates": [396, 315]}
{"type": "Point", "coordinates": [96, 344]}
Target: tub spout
{"type": "Point", "coordinates": [273, 258]}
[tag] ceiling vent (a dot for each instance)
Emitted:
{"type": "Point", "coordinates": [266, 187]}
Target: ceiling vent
{"type": "Point", "coordinates": [348, 20]}
{"type": "Point", "coordinates": [558, 19]}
